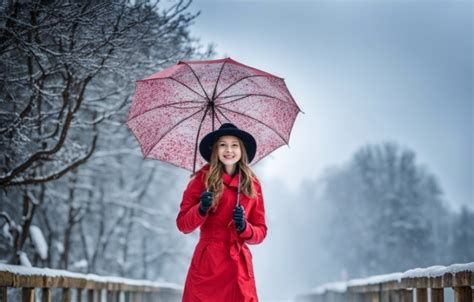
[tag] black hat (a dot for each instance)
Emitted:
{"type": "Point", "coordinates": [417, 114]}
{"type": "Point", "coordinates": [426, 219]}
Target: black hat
{"type": "Point", "coordinates": [205, 146]}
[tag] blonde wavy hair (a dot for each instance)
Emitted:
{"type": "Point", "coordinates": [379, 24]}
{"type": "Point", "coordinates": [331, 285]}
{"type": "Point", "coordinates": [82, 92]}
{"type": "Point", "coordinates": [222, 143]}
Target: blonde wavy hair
{"type": "Point", "coordinates": [213, 178]}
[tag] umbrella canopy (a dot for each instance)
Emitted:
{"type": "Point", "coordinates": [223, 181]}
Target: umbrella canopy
{"type": "Point", "coordinates": [174, 108]}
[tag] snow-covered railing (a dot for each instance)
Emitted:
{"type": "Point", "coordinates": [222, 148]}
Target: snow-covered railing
{"type": "Point", "coordinates": [88, 287]}
{"type": "Point", "coordinates": [400, 287]}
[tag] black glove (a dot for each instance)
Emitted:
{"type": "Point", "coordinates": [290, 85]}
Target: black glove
{"type": "Point", "coordinates": [239, 218]}
{"type": "Point", "coordinates": [205, 202]}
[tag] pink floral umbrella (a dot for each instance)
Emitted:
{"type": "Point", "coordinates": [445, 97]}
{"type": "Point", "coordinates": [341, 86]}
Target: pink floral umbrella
{"type": "Point", "coordinates": [174, 108]}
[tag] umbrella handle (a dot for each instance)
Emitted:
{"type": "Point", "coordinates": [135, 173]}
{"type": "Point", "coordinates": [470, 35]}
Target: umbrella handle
{"type": "Point", "coordinates": [238, 188]}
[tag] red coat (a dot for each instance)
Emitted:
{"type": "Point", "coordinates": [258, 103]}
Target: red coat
{"type": "Point", "coordinates": [221, 269]}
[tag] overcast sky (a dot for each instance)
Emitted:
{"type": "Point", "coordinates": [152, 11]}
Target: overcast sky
{"type": "Point", "coordinates": [363, 72]}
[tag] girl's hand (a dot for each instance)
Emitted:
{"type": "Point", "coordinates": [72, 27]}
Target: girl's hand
{"type": "Point", "coordinates": [205, 202]}
{"type": "Point", "coordinates": [239, 218]}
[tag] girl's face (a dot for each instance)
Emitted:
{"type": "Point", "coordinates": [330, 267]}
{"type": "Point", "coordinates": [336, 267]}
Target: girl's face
{"type": "Point", "coordinates": [228, 150]}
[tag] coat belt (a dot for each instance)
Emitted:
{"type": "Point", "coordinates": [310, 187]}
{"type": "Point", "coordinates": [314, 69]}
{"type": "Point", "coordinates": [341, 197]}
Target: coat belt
{"type": "Point", "coordinates": [227, 235]}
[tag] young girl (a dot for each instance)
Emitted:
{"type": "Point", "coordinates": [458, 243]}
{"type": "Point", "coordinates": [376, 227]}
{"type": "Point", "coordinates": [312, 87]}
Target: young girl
{"type": "Point", "coordinates": [224, 199]}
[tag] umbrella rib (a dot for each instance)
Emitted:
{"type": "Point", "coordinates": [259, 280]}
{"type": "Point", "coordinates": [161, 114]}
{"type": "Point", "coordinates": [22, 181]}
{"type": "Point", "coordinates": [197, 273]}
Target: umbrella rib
{"type": "Point", "coordinates": [199, 81]}
{"type": "Point", "coordinates": [243, 96]}
{"type": "Point", "coordinates": [240, 80]}
{"type": "Point", "coordinates": [217, 81]}
{"type": "Point", "coordinates": [223, 115]}
{"type": "Point", "coordinates": [217, 117]}
{"type": "Point", "coordinates": [169, 130]}
{"type": "Point", "coordinates": [163, 106]}
{"type": "Point", "coordinates": [204, 97]}
{"type": "Point", "coordinates": [191, 107]}
{"type": "Point", "coordinates": [252, 118]}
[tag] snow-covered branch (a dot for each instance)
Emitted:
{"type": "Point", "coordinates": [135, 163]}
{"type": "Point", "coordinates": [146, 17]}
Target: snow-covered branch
{"type": "Point", "coordinates": [56, 174]}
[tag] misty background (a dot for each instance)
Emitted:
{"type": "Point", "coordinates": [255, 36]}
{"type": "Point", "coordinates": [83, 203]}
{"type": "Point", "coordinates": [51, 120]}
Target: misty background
{"type": "Point", "coordinates": [378, 177]}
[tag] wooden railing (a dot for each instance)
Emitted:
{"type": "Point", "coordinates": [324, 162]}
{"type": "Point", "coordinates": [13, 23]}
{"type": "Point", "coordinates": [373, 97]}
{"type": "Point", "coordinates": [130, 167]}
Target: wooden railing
{"type": "Point", "coordinates": [420, 285]}
{"type": "Point", "coordinates": [90, 288]}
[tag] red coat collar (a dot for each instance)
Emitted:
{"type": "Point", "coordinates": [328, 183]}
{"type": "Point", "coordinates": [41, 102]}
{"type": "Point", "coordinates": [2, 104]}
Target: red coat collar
{"type": "Point", "coordinates": [228, 180]}
{"type": "Point", "coordinates": [231, 181]}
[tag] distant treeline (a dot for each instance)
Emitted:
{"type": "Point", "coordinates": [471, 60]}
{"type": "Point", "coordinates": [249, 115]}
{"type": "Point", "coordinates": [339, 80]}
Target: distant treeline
{"type": "Point", "coordinates": [382, 212]}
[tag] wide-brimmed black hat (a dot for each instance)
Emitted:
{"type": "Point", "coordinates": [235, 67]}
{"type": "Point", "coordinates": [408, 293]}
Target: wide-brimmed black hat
{"type": "Point", "coordinates": [205, 146]}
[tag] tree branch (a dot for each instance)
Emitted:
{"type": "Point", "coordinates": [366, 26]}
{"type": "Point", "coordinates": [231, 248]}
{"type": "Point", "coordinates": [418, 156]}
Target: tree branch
{"type": "Point", "coordinates": [58, 174]}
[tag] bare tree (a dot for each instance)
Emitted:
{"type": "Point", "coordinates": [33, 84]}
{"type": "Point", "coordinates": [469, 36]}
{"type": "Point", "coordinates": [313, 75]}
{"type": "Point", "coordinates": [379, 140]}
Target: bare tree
{"type": "Point", "coordinates": [66, 76]}
{"type": "Point", "coordinates": [60, 65]}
